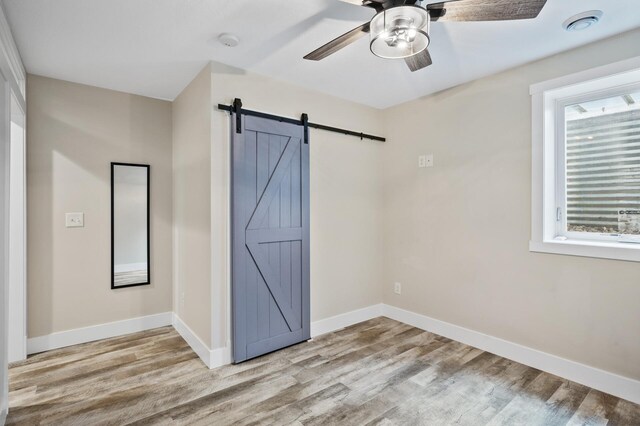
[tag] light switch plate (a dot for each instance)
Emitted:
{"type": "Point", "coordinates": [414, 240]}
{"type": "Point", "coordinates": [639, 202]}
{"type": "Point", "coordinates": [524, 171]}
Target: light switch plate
{"type": "Point", "coordinates": [74, 220]}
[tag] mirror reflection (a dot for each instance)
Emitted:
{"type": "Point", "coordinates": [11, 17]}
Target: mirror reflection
{"type": "Point", "coordinates": [130, 224]}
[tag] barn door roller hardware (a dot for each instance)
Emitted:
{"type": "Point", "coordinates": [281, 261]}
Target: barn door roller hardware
{"type": "Point", "coordinates": [236, 107]}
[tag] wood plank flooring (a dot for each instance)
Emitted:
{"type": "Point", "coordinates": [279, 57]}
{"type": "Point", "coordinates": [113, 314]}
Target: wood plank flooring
{"type": "Point", "coordinates": [130, 277]}
{"type": "Point", "coordinates": [379, 372]}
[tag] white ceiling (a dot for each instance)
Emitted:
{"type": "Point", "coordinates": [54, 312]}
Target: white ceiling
{"type": "Point", "coordinates": [155, 47]}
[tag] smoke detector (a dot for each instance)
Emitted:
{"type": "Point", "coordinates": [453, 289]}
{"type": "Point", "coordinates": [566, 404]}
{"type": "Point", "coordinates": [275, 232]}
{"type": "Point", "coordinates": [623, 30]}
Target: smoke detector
{"type": "Point", "coordinates": [228, 40]}
{"type": "Point", "coordinates": [583, 20]}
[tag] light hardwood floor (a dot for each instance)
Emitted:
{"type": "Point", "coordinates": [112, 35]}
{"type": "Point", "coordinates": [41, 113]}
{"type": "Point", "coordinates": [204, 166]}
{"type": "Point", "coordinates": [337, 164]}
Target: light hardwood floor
{"type": "Point", "coordinates": [380, 372]}
{"type": "Point", "coordinates": [130, 277]}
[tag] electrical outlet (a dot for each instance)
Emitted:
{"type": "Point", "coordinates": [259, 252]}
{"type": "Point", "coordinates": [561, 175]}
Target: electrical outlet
{"type": "Point", "coordinates": [425, 160]}
{"type": "Point", "coordinates": [74, 220]}
{"type": "Point", "coordinates": [397, 288]}
{"type": "Point", "coordinates": [428, 160]}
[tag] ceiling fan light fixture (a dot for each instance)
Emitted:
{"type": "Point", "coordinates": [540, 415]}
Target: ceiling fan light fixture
{"type": "Point", "coordinates": [399, 32]}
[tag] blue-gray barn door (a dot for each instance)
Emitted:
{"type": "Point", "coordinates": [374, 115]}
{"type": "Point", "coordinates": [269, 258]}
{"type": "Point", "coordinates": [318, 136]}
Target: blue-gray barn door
{"type": "Point", "coordinates": [270, 237]}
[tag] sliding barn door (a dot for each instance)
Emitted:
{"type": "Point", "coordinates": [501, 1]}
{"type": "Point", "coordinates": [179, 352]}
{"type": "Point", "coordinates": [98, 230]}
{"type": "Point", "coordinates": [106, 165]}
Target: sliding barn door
{"type": "Point", "coordinates": [270, 237]}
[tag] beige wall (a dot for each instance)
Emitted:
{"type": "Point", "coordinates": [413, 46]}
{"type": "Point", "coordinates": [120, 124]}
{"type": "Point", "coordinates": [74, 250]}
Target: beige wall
{"type": "Point", "coordinates": [192, 205]}
{"type": "Point", "coordinates": [345, 201]}
{"type": "Point", "coordinates": [456, 235]}
{"type": "Point", "coordinates": [345, 198]}
{"type": "Point", "coordinates": [74, 132]}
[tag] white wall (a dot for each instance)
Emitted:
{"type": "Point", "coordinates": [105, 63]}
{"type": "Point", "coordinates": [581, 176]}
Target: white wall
{"type": "Point", "coordinates": [456, 235]}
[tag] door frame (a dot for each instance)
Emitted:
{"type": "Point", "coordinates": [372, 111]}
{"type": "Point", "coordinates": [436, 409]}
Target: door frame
{"type": "Point", "coordinates": [17, 335]}
{"type": "Point", "coordinates": [14, 82]}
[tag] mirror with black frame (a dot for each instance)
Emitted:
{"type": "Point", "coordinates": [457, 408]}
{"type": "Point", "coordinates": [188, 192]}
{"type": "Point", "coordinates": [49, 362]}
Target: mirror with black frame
{"type": "Point", "coordinates": [130, 259]}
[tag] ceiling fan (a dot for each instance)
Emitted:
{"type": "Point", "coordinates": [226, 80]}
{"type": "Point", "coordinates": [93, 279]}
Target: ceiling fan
{"type": "Point", "coordinates": [400, 28]}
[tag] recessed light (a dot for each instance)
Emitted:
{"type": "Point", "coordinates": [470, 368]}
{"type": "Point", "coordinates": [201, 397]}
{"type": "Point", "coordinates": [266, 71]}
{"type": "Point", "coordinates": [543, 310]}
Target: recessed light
{"type": "Point", "coordinates": [583, 20]}
{"type": "Point", "coordinates": [228, 40]}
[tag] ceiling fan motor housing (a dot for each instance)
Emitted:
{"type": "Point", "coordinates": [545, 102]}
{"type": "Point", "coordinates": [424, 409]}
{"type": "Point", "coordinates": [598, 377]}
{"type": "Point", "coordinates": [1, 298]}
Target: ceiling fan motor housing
{"type": "Point", "coordinates": [400, 32]}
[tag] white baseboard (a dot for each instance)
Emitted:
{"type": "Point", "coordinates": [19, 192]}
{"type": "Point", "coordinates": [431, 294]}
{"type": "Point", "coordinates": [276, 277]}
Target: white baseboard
{"type": "Point", "coordinates": [221, 356]}
{"type": "Point", "coordinates": [622, 387]}
{"type": "Point", "coordinates": [198, 346]}
{"type": "Point", "coordinates": [96, 332]}
{"type": "Point", "coordinates": [337, 322]}
{"type": "Point", "coordinates": [3, 417]}
{"type": "Point", "coordinates": [212, 358]}
{"type": "Point", "coordinates": [601, 380]}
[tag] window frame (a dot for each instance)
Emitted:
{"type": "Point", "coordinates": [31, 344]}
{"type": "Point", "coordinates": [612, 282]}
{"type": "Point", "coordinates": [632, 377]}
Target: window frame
{"type": "Point", "coordinates": [549, 99]}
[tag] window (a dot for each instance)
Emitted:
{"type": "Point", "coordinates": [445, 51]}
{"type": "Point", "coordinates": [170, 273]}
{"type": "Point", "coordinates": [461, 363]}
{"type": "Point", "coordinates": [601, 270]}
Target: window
{"type": "Point", "coordinates": [586, 163]}
{"type": "Point", "coordinates": [599, 191]}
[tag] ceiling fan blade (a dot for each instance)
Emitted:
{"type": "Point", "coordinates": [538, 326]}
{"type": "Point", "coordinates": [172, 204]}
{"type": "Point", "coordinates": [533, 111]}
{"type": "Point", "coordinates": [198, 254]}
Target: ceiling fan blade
{"type": "Point", "coordinates": [485, 10]}
{"type": "Point", "coordinates": [338, 43]}
{"type": "Point", "coordinates": [384, 4]}
{"type": "Point", "coordinates": [419, 61]}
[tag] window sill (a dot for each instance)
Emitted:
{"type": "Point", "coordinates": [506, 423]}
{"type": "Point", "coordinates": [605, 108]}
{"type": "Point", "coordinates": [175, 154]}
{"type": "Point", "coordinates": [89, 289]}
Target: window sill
{"type": "Point", "coordinates": [603, 250]}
